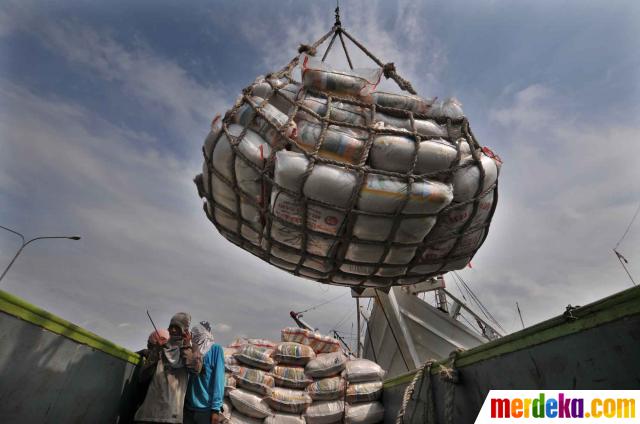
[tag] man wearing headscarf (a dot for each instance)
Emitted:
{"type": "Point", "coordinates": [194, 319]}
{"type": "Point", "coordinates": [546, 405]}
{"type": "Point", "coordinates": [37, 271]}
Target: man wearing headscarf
{"type": "Point", "coordinates": [203, 402]}
{"type": "Point", "coordinates": [170, 365]}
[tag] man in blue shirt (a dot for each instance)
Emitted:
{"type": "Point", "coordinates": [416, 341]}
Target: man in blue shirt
{"type": "Point", "coordinates": [203, 400]}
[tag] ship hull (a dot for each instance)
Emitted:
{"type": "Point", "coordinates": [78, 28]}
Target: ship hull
{"type": "Point", "coordinates": [593, 347]}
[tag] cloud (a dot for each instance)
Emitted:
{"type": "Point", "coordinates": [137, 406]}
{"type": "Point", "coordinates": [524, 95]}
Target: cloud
{"type": "Point", "coordinates": [407, 40]}
{"type": "Point", "coordinates": [531, 107]}
{"type": "Point", "coordinates": [146, 243]}
{"type": "Point", "coordinates": [567, 186]}
{"type": "Point", "coordinates": [161, 86]}
{"type": "Point", "coordinates": [567, 192]}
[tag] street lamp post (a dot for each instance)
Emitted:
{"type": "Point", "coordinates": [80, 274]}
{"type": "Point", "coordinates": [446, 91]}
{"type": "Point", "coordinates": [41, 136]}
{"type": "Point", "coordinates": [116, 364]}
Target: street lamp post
{"type": "Point", "coordinates": [25, 243]}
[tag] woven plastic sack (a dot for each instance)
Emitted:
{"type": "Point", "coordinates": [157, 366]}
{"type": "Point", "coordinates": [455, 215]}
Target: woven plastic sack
{"type": "Point", "coordinates": [363, 370]}
{"type": "Point", "coordinates": [323, 344]}
{"type": "Point", "coordinates": [331, 388]}
{"type": "Point", "coordinates": [238, 418]}
{"type": "Point", "coordinates": [233, 346]}
{"type": "Point", "coordinates": [290, 377]}
{"type": "Point", "coordinates": [288, 400]}
{"type": "Point", "coordinates": [318, 342]}
{"type": "Point", "coordinates": [254, 356]}
{"type": "Point", "coordinates": [330, 180]}
{"type": "Point", "coordinates": [281, 418]}
{"type": "Point", "coordinates": [227, 409]}
{"type": "Point", "coordinates": [295, 335]}
{"type": "Point", "coordinates": [256, 151]}
{"type": "Point", "coordinates": [249, 404]}
{"type": "Point", "coordinates": [414, 104]}
{"type": "Point", "coordinates": [321, 77]}
{"type": "Point", "coordinates": [340, 112]}
{"type": "Point", "coordinates": [262, 343]}
{"type": "Point", "coordinates": [325, 412]}
{"type": "Point", "coordinates": [364, 392]}
{"type": "Point", "coordinates": [326, 365]}
{"type": "Point", "coordinates": [229, 383]}
{"type": "Point", "coordinates": [255, 380]}
{"type": "Point", "coordinates": [231, 363]}
{"type": "Point", "coordinates": [293, 354]}
{"type": "Point", "coordinates": [364, 413]}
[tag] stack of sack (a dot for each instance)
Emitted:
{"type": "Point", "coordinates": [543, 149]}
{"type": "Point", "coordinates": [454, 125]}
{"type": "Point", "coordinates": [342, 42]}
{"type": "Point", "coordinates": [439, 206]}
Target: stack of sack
{"type": "Point", "coordinates": [305, 378]}
{"type": "Point", "coordinates": [333, 181]}
{"type": "Point", "coordinates": [364, 389]}
{"type": "Point", "coordinates": [248, 363]}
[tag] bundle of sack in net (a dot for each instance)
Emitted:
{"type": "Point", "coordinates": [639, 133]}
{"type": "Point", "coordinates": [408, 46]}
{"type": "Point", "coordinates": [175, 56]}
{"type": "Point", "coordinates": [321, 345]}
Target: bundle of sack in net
{"type": "Point", "coordinates": [329, 179]}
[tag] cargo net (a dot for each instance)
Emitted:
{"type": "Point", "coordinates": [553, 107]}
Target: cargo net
{"type": "Point", "coordinates": [334, 181]}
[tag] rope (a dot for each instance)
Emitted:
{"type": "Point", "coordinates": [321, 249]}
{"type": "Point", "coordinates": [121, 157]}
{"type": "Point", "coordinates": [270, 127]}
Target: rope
{"type": "Point", "coordinates": [628, 228]}
{"type": "Point", "coordinates": [373, 348]}
{"type": "Point", "coordinates": [451, 377]}
{"type": "Point", "coordinates": [410, 389]}
{"type": "Point", "coordinates": [389, 69]}
{"type": "Point", "coordinates": [324, 303]}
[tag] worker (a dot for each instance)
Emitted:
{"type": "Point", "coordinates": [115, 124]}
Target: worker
{"type": "Point", "coordinates": [156, 339]}
{"type": "Point", "coordinates": [170, 365]}
{"type": "Point", "coordinates": [203, 403]}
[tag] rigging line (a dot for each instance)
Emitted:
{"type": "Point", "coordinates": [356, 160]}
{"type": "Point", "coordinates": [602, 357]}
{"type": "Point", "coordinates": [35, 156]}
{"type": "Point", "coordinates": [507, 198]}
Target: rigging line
{"type": "Point", "coordinates": [344, 317]}
{"type": "Point", "coordinates": [624, 261]}
{"type": "Point", "coordinates": [628, 227]}
{"type": "Point", "coordinates": [472, 296]}
{"type": "Point", "coordinates": [393, 333]}
{"type": "Point", "coordinates": [476, 300]}
{"type": "Point", "coordinates": [455, 280]}
{"type": "Point", "coordinates": [470, 324]}
{"type": "Point", "coordinates": [483, 308]}
{"type": "Point", "coordinates": [373, 348]}
{"type": "Point", "coordinates": [323, 303]}
{"type": "Point", "coordinates": [520, 315]}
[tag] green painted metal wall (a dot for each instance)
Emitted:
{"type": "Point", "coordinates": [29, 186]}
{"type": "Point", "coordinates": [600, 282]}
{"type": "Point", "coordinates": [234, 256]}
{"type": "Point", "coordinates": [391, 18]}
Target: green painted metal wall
{"type": "Point", "coordinates": [597, 347]}
{"type": "Point", "coordinates": [52, 371]}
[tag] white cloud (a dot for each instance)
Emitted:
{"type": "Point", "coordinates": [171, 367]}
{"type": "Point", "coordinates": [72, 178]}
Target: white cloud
{"type": "Point", "coordinates": [408, 42]}
{"type": "Point", "coordinates": [146, 243]}
{"type": "Point", "coordinates": [532, 107]}
{"type": "Point", "coordinates": [163, 88]}
{"type": "Point", "coordinates": [567, 192]}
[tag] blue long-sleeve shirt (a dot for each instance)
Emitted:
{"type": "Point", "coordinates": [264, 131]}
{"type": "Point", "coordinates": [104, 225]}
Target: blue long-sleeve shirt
{"type": "Point", "coordinates": [206, 389]}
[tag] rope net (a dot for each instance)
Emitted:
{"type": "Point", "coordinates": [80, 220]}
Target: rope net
{"type": "Point", "coordinates": [334, 181]}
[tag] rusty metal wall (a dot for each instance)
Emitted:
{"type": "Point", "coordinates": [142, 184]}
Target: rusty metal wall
{"type": "Point", "coordinates": [49, 378]}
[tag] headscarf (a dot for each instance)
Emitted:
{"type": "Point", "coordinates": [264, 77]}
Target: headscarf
{"type": "Point", "coordinates": [159, 337]}
{"type": "Point", "coordinates": [171, 350]}
{"type": "Point", "coordinates": [201, 337]}
{"type": "Point", "coordinates": [181, 320]}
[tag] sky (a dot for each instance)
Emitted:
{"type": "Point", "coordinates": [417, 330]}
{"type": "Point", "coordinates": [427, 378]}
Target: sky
{"type": "Point", "coordinates": [104, 107]}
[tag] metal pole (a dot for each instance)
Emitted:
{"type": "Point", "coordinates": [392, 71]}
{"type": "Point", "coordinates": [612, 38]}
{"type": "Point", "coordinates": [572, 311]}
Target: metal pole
{"type": "Point", "coordinates": [24, 244]}
{"type": "Point", "coordinates": [358, 321]}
